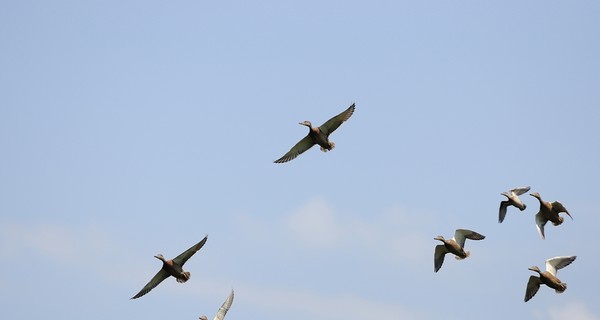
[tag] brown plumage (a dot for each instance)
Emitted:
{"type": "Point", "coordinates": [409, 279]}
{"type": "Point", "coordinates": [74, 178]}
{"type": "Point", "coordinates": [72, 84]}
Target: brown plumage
{"type": "Point", "coordinates": [548, 277]}
{"type": "Point", "coordinates": [455, 246]}
{"type": "Point", "coordinates": [512, 200]}
{"type": "Point", "coordinates": [173, 267]}
{"type": "Point", "coordinates": [317, 135]}
{"type": "Point", "coordinates": [548, 212]}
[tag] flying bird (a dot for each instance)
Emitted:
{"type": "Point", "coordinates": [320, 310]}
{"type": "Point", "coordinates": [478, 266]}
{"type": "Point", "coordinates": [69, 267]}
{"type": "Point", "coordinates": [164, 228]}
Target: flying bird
{"type": "Point", "coordinates": [173, 267]}
{"type": "Point", "coordinates": [548, 277]}
{"type": "Point", "coordinates": [548, 212]}
{"type": "Point", "coordinates": [317, 135]}
{"type": "Point", "coordinates": [223, 310]}
{"type": "Point", "coordinates": [455, 246]}
{"type": "Point", "coordinates": [513, 200]}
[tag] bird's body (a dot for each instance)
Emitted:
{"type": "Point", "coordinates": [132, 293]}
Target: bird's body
{"type": "Point", "coordinates": [172, 267]}
{"type": "Point", "coordinates": [174, 270]}
{"type": "Point", "coordinates": [317, 135]}
{"type": "Point", "coordinates": [512, 200]}
{"type": "Point", "coordinates": [548, 277]}
{"type": "Point", "coordinates": [223, 309]}
{"type": "Point", "coordinates": [552, 281]}
{"type": "Point", "coordinates": [454, 246]}
{"type": "Point", "coordinates": [549, 211]}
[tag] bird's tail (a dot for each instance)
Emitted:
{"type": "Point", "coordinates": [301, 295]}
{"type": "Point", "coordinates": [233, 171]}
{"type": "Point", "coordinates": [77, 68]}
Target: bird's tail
{"type": "Point", "coordinates": [560, 221]}
{"type": "Point", "coordinates": [564, 288]}
{"type": "Point", "coordinates": [186, 277]}
{"type": "Point", "coordinates": [331, 146]}
{"type": "Point", "coordinates": [467, 254]}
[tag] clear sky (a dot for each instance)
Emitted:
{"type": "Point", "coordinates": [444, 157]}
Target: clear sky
{"type": "Point", "coordinates": [131, 128]}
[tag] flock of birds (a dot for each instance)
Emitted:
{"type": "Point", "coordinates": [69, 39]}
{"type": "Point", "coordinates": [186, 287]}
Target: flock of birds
{"type": "Point", "coordinates": [549, 211]}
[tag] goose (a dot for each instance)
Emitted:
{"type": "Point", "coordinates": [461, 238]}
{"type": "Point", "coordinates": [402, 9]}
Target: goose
{"type": "Point", "coordinates": [317, 135]}
{"type": "Point", "coordinates": [548, 277]}
{"type": "Point", "coordinates": [513, 200]}
{"type": "Point", "coordinates": [173, 267]}
{"type": "Point", "coordinates": [455, 246]}
{"type": "Point", "coordinates": [548, 212]}
{"type": "Point", "coordinates": [223, 310]}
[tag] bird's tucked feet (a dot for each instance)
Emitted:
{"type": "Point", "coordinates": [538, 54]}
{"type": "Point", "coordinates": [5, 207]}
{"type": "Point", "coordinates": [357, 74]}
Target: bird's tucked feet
{"type": "Point", "coordinates": [331, 145]}
{"type": "Point", "coordinates": [185, 277]}
{"type": "Point", "coordinates": [467, 254]}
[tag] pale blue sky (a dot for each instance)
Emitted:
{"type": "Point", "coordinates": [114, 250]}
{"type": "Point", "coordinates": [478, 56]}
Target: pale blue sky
{"type": "Point", "coordinates": [134, 128]}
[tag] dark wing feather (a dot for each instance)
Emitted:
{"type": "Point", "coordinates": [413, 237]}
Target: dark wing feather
{"type": "Point", "coordinates": [182, 258]}
{"type": "Point", "coordinates": [474, 235]}
{"type": "Point", "coordinates": [328, 127]}
{"type": "Point", "coordinates": [438, 257]}
{"type": "Point", "coordinates": [558, 207]}
{"type": "Point", "coordinates": [303, 145]}
{"type": "Point", "coordinates": [461, 234]}
{"type": "Point", "coordinates": [158, 278]}
{"type": "Point", "coordinates": [533, 285]}
{"type": "Point", "coordinates": [502, 212]}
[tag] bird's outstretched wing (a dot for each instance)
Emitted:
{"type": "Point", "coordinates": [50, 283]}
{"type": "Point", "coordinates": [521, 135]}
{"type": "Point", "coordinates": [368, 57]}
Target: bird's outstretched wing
{"type": "Point", "coordinates": [182, 258]}
{"type": "Point", "coordinates": [158, 278]}
{"type": "Point", "coordinates": [557, 263]}
{"type": "Point", "coordinates": [520, 190]}
{"type": "Point", "coordinates": [328, 127]}
{"type": "Point", "coordinates": [303, 145]}
{"type": "Point", "coordinates": [560, 208]}
{"type": "Point", "coordinates": [225, 307]}
{"type": "Point", "coordinates": [438, 256]}
{"type": "Point", "coordinates": [540, 222]}
{"type": "Point", "coordinates": [461, 234]}
{"type": "Point", "coordinates": [533, 285]}
{"type": "Point", "coordinates": [502, 211]}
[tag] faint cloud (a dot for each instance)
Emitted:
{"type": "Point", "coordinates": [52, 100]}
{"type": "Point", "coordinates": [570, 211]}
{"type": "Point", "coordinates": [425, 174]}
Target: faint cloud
{"type": "Point", "coordinates": [392, 235]}
{"type": "Point", "coordinates": [309, 304]}
{"type": "Point", "coordinates": [85, 246]}
{"type": "Point", "coordinates": [48, 240]}
{"type": "Point", "coordinates": [334, 306]}
{"type": "Point", "coordinates": [315, 224]}
{"type": "Point", "coordinates": [572, 310]}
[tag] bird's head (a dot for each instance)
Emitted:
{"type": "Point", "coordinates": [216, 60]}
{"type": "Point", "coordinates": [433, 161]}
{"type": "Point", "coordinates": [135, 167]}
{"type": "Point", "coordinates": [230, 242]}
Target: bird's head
{"type": "Point", "coordinates": [203, 318]}
{"type": "Point", "coordinates": [160, 257]}
{"type": "Point", "coordinates": [306, 123]}
{"type": "Point", "coordinates": [534, 268]}
{"type": "Point", "coordinates": [441, 238]}
{"type": "Point", "coordinates": [536, 195]}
